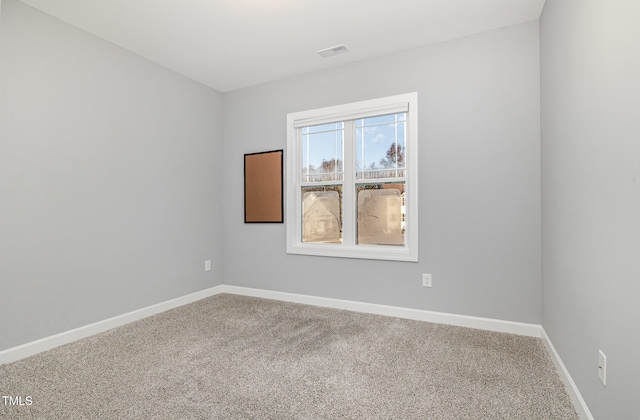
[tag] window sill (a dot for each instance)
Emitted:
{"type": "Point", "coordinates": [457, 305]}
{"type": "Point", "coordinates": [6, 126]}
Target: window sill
{"type": "Point", "coordinates": [373, 252]}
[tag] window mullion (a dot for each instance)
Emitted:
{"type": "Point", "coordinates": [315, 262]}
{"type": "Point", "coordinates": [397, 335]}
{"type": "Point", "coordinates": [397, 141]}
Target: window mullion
{"type": "Point", "coordinates": [348, 191]}
{"type": "Point", "coordinates": [296, 181]}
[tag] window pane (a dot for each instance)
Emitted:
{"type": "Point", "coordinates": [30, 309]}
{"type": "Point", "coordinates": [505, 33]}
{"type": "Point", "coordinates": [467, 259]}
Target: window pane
{"type": "Point", "coordinates": [381, 214]}
{"type": "Point", "coordinates": [322, 214]}
{"type": "Point", "coordinates": [322, 156]}
{"type": "Point", "coordinates": [380, 146]}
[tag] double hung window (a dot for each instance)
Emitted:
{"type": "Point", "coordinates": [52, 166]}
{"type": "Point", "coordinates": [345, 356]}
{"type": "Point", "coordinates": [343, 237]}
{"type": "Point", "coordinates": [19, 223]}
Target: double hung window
{"type": "Point", "coordinates": [352, 180]}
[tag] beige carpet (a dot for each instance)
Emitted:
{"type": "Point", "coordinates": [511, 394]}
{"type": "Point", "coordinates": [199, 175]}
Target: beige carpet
{"type": "Point", "coordinates": [235, 357]}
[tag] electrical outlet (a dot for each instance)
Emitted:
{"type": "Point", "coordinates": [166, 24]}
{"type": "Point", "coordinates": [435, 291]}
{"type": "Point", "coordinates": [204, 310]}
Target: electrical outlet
{"type": "Point", "coordinates": [207, 265]}
{"type": "Point", "coordinates": [426, 280]}
{"type": "Point", "coordinates": [602, 367]}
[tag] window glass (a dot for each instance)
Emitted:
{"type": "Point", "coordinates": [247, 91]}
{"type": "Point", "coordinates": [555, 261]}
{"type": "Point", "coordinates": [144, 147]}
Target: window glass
{"type": "Point", "coordinates": [380, 146]}
{"type": "Point", "coordinates": [322, 152]}
{"type": "Point", "coordinates": [381, 213]}
{"type": "Point", "coordinates": [322, 214]}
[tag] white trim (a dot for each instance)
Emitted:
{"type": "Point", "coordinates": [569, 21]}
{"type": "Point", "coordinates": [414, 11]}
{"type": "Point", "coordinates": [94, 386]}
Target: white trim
{"type": "Point", "coordinates": [578, 402]}
{"type": "Point", "coordinates": [489, 324]}
{"type": "Point", "coordinates": [363, 109]}
{"type": "Point", "coordinates": [348, 249]}
{"type": "Point", "coordinates": [531, 330]}
{"type": "Point", "coordinates": [48, 343]}
{"type": "Point", "coordinates": [29, 349]}
{"type": "Point", "coordinates": [380, 252]}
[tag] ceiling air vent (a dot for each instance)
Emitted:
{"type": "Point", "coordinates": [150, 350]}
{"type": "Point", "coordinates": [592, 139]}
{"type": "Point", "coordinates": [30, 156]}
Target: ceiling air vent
{"type": "Point", "coordinates": [328, 52]}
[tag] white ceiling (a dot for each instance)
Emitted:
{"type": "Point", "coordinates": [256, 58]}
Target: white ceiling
{"type": "Point", "coordinates": [231, 44]}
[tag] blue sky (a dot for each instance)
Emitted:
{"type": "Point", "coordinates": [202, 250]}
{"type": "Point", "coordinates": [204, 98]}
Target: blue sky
{"type": "Point", "coordinates": [374, 136]}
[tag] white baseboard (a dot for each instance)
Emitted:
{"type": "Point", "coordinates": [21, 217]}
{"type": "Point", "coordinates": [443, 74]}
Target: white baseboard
{"type": "Point", "coordinates": [572, 389]}
{"type": "Point", "coordinates": [48, 343]}
{"type": "Point", "coordinates": [531, 330]}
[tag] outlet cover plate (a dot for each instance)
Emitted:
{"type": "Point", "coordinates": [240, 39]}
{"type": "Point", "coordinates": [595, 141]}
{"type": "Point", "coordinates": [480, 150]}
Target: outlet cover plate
{"type": "Point", "coordinates": [602, 367]}
{"type": "Point", "coordinates": [426, 280]}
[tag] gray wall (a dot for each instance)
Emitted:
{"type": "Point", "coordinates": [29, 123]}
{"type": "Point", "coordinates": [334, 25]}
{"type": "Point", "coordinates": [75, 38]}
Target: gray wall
{"type": "Point", "coordinates": [109, 179]}
{"type": "Point", "coordinates": [479, 179]}
{"type": "Point", "coordinates": [590, 79]}
{"type": "Point", "coordinates": [114, 183]}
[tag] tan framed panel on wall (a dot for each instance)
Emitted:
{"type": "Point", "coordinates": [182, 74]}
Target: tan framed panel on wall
{"type": "Point", "coordinates": [263, 199]}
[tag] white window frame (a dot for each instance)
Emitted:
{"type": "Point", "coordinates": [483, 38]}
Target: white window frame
{"type": "Point", "coordinates": [349, 249]}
